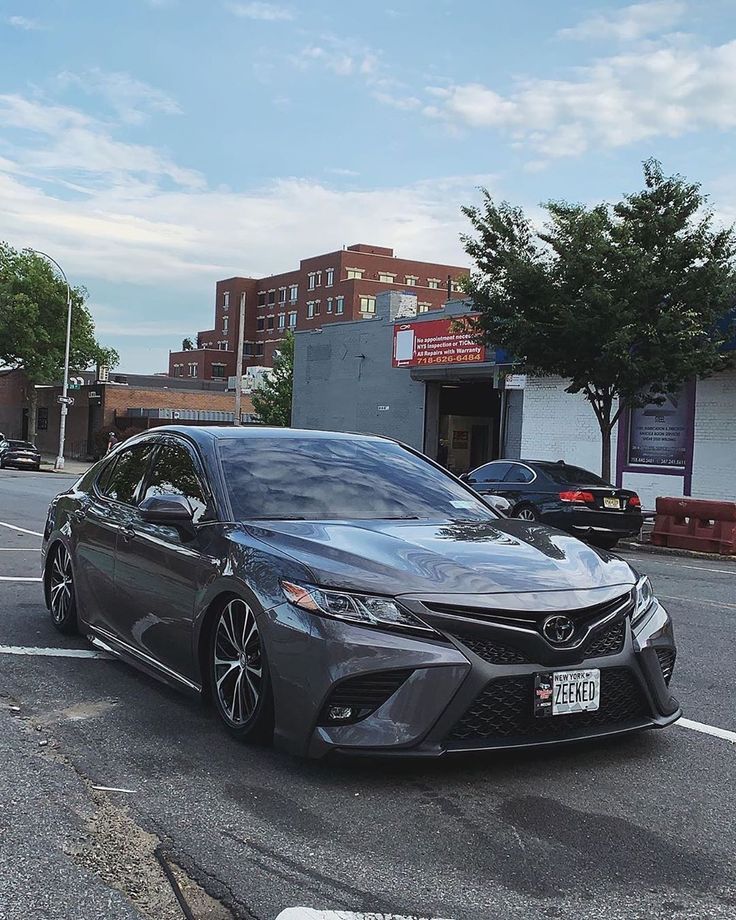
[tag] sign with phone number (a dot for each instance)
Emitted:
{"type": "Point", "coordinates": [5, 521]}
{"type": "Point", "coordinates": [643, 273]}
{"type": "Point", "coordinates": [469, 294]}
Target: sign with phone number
{"type": "Point", "coordinates": [438, 341]}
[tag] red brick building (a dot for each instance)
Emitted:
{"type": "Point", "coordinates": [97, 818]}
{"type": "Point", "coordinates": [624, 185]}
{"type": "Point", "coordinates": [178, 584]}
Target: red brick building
{"type": "Point", "coordinates": [337, 286]}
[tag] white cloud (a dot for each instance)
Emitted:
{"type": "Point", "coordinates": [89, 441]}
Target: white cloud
{"type": "Point", "coordinates": [668, 90]}
{"type": "Point", "coordinates": [630, 23]}
{"type": "Point", "coordinates": [131, 99]}
{"type": "Point", "coordinates": [267, 12]}
{"type": "Point", "coordinates": [22, 22]}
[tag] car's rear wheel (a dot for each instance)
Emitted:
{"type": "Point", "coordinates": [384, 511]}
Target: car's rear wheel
{"type": "Point", "coordinates": [62, 599]}
{"type": "Point", "coordinates": [526, 513]}
{"type": "Point", "coordinates": [239, 676]}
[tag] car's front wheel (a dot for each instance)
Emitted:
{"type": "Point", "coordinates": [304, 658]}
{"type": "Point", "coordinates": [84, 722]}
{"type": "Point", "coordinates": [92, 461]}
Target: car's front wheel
{"type": "Point", "coordinates": [239, 676]}
{"type": "Point", "coordinates": [62, 599]}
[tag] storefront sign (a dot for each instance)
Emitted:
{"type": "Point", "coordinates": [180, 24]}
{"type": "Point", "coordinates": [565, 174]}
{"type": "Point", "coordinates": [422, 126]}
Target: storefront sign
{"type": "Point", "coordinates": [437, 341]}
{"type": "Point", "coordinates": [659, 435]}
{"type": "Point", "coordinates": [515, 381]}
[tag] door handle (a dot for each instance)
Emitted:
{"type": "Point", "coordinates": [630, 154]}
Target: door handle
{"type": "Point", "coordinates": [127, 533]}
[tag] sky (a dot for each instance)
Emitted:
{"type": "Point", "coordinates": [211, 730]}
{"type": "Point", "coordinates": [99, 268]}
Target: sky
{"type": "Point", "coordinates": [155, 146]}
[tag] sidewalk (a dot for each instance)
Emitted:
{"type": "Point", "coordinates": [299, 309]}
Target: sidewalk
{"type": "Point", "coordinates": [71, 467]}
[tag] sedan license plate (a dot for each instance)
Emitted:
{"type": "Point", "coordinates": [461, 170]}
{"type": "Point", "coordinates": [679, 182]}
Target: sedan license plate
{"type": "Point", "coordinates": [559, 693]}
{"type": "Point", "coordinates": [612, 503]}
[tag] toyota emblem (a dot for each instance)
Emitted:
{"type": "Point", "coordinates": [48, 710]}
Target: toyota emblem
{"type": "Point", "coordinates": [558, 629]}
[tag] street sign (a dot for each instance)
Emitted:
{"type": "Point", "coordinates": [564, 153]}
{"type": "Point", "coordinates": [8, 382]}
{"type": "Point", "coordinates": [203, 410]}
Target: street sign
{"type": "Point", "coordinates": [65, 400]}
{"type": "Point", "coordinates": [515, 381]}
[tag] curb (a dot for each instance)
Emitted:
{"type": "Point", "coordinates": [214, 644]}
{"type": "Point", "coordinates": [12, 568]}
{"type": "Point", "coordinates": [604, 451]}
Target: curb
{"type": "Point", "coordinates": [668, 551]}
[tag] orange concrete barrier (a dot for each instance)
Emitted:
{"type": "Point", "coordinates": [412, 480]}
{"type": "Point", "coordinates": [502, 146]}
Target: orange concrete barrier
{"type": "Point", "coordinates": [691, 523]}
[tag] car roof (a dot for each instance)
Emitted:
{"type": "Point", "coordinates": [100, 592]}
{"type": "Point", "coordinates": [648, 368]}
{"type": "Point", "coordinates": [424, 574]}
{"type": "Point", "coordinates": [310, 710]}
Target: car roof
{"type": "Point", "coordinates": [210, 433]}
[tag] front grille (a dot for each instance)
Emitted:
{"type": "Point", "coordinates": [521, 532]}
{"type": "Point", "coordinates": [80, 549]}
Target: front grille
{"type": "Point", "coordinates": [608, 641]}
{"type": "Point", "coordinates": [492, 651]}
{"type": "Point", "coordinates": [666, 662]}
{"type": "Point", "coordinates": [504, 711]}
{"type": "Point", "coordinates": [362, 695]}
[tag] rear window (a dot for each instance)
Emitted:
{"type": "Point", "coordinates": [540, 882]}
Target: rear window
{"type": "Point", "coordinates": [340, 479]}
{"type": "Point", "coordinates": [572, 475]}
{"type": "Point", "coordinates": [21, 445]}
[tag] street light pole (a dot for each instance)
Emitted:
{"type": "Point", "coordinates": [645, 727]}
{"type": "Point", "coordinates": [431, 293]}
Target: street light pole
{"type": "Point", "coordinates": [59, 465]}
{"type": "Point", "coordinates": [239, 362]}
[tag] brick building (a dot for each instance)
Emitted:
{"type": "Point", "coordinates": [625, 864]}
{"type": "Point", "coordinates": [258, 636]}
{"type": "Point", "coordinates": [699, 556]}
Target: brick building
{"type": "Point", "coordinates": [128, 403]}
{"type": "Point", "coordinates": [337, 286]}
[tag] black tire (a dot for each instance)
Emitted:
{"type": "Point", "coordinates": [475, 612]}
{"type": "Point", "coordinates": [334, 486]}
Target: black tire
{"type": "Point", "coordinates": [61, 594]}
{"type": "Point", "coordinates": [526, 513]}
{"type": "Point", "coordinates": [603, 541]}
{"type": "Point", "coordinates": [239, 677]}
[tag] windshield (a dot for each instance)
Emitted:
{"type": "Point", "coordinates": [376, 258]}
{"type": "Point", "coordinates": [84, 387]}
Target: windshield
{"type": "Point", "coordinates": [340, 479]}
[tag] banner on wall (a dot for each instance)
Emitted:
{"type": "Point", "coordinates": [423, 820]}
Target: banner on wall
{"type": "Point", "coordinates": [659, 435]}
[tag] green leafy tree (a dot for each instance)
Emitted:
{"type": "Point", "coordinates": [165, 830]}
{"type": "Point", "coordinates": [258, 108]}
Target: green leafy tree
{"type": "Point", "coordinates": [33, 314]}
{"type": "Point", "coordinates": [272, 398]}
{"type": "Point", "coordinates": [627, 301]}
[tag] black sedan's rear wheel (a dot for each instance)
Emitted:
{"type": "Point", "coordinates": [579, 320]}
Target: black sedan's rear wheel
{"type": "Point", "coordinates": [241, 686]}
{"type": "Point", "coordinates": [526, 513]}
{"type": "Point", "coordinates": [62, 599]}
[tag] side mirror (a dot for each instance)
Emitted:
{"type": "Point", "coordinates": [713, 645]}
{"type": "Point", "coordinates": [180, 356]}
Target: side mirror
{"type": "Point", "coordinates": [173, 510]}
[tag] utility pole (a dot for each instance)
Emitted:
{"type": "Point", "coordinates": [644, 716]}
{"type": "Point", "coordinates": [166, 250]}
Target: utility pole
{"type": "Point", "coordinates": [239, 362]}
{"type": "Point", "coordinates": [59, 465]}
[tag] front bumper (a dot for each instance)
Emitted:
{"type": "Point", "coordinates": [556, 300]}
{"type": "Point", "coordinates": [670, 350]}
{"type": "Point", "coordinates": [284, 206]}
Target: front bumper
{"type": "Point", "coordinates": [455, 699]}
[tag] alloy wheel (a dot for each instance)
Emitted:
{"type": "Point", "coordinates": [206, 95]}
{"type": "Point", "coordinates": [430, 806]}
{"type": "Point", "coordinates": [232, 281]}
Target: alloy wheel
{"type": "Point", "coordinates": [61, 586]}
{"type": "Point", "coordinates": [526, 514]}
{"type": "Point", "coordinates": [238, 662]}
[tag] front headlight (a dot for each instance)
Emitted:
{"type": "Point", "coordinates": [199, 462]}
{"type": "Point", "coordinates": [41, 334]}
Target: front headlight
{"type": "Point", "coordinates": [364, 609]}
{"type": "Point", "coordinates": [644, 598]}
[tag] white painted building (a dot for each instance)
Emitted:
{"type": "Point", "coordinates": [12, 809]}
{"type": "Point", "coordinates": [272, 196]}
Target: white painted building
{"type": "Point", "coordinates": [557, 425]}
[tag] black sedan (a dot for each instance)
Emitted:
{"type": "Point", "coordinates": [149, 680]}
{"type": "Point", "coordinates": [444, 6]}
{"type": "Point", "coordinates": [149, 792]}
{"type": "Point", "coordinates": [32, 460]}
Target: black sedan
{"type": "Point", "coordinates": [20, 454]}
{"type": "Point", "coordinates": [563, 496]}
{"type": "Point", "coordinates": [343, 593]}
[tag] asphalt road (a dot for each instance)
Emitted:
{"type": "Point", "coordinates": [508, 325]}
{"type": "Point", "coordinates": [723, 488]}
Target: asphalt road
{"type": "Point", "coordinates": [635, 828]}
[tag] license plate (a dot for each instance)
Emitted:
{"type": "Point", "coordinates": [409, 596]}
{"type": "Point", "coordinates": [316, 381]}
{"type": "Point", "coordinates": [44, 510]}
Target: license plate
{"type": "Point", "coordinates": [558, 693]}
{"type": "Point", "coordinates": [612, 503]}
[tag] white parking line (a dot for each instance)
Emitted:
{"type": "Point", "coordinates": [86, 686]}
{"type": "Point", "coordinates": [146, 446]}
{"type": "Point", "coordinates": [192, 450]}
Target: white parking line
{"type": "Point", "coordinates": [682, 565]}
{"type": "Point", "coordinates": [308, 913]}
{"type": "Point", "coordinates": [696, 600]}
{"type": "Point", "coordinates": [707, 729]}
{"type": "Point", "coordinates": [34, 533]}
{"type": "Point", "coordinates": [20, 578]}
{"type": "Point", "coordinates": [20, 549]}
{"type": "Point", "coordinates": [52, 652]}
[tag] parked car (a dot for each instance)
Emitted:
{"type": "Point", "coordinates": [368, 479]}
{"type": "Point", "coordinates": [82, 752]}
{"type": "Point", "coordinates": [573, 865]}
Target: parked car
{"type": "Point", "coordinates": [341, 592]}
{"type": "Point", "coordinates": [21, 454]}
{"type": "Point", "coordinates": [563, 496]}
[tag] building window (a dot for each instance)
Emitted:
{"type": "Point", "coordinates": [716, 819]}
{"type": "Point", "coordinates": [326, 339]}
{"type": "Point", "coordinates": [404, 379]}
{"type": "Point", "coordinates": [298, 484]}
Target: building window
{"type": "Point", "coordinates": [330, 279]}
{"type": "Point", "coordinates": [339, 305]}
{"type": "Point", "coordinates": [293, 292]}
{"type": "Point", "coordinates": [282, 321]}
{"type": "Point", "coordinates": [282, 295]}
{"type": "Point", "coordinates": [367, 304]}
{"type": "Point", "coordinates": [354, 273]}
{"type": "Point", "coordinates": [314, 280]}
{"type": "Point", "coordinates": [270, 322]}
{"type": "Point", "coordinates": [310, 309]}
{"type": "Point", "coordinates": [411, 280]}
{"type": "Point", "coordinates": [433, 282]}
{"type": "Point", "coordinates": [261, 298]}
{"type": "Point", "coordinates": [226, 300]}
{"type": "Point", "coordinates": [192, 370]}
{"type": "Point", "coordinates": [261, 323]}
{"type": "Point", "coordinates": [248, 349]}
{"type": "Point", "coordinates": [317, 307]}
{"type": "Point", "coordinates": [224, 325]}
{"type": "Point", "coordinates": [292, 320]}
{"type": "Point", "coordinates": [42, 418]}
{"type": "Point", "coordinates": [423, 307]}
{"type": "Point", "coordinates": [259, 349]}
{"type": "Point", "coordinates": [218, 370]}
{"type": "Point", "coordinates": [272, 296]}
{"type": "Point", "coordinates": [329, 305]}
{"type": "Point", "coordinates": [386, 277]}
{"type": "Point", "coordinates": [223, 346]}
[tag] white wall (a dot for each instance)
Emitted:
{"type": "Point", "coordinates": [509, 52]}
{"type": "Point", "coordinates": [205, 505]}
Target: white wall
{"type": "Point", "coordinates": [560, 426]}
{"type": "Point", "coordinates": [714, 459]}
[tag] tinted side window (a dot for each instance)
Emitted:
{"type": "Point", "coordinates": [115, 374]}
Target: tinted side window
{"type": "Point", "coordinates": [491, 472]}
{"type": "Point", "coordinates": [518, 473]}
{"type": "Point", "coordinates": [173, 473]}
{"type": "Point", "coordinates": [125, 478]}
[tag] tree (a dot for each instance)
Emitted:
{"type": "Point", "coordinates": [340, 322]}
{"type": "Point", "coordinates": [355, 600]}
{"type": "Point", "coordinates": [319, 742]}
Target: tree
{"type": "Point", "coordinates": [272, 398]}
{"type": "Point", "coordinates": [187, 344]}
{"type": "Point", "coordinates": [33, 314]}
{"type": "Point", "coordinates": [627, 302]}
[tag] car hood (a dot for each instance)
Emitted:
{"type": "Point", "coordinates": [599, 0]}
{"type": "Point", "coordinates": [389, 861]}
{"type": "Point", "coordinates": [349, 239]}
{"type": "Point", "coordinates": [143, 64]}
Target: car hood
{"type": "Point", "coordinates": [408, 557]}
